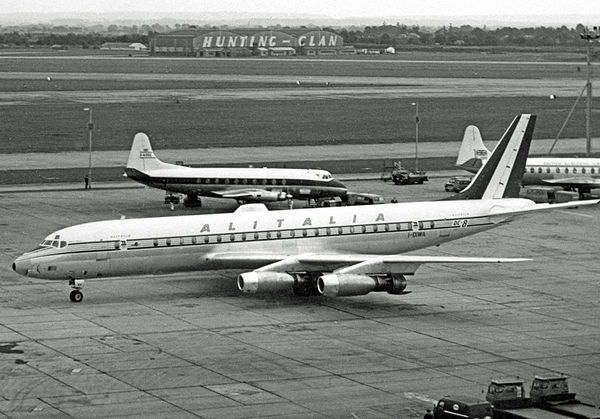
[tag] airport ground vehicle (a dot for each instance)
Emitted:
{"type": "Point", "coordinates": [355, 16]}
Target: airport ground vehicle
{"type": "Point", "coordinates": [402, 176]}
{"type": "Point", "coordinates": [506, 399]}
{"type": "Point", "coordinates": [462, 407]}
{"type": "Point", "coordinates": [406, 177]}
{"type": "Point", "coordinates": [351, 198]}
{"type": "Point", "coordinates": [551, 392]}
{"type": "Point", "coordinates": [457, 183]}
{"type": "Point", "coordinates": [355, 198]}
{"type": "Point", "coordinates": [541, 194]}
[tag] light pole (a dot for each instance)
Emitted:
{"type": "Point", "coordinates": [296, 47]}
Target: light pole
{"type": "Point", "coordinates": [589, 36]}
{"type": "Point", "coordinates": [90, 129]}
{"type": "Point", "coordinates": [416, 105]}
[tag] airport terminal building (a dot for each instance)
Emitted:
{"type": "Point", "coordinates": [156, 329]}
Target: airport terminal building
{"type": "Point", "coordinates": [246, 42]}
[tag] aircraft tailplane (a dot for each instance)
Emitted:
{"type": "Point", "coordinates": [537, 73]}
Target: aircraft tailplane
{"type": "Point", "coordinates": [501, 176]}
{"type": "Point", "coordinates": [141, 156]}
{"type": "Point", "coordinates": [472, 154]}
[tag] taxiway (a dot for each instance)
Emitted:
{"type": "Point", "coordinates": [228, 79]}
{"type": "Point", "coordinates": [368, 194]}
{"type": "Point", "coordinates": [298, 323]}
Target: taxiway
{"type": "Point", "coordinates": [190, 345]}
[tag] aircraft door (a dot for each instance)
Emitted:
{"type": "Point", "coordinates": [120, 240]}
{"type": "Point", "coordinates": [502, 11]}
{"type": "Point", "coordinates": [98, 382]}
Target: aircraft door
{"type": "Point", "coordinates": [102, 263]}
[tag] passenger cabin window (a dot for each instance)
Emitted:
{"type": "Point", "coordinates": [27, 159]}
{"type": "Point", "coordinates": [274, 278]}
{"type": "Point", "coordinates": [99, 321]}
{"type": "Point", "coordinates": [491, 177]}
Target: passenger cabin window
{"type": "Point", "coordinates": [574, 170]}
{"type": "Point", "coordinates": [547, 170]}
{"type": "Point", "coordinates": [593, 171]}
{"type": "Point", "coordinates": [583, 170]}
{"type": "Point", "coordinates": [532, 170]}
{"type": "Point", "coordinates": [566, 170]}
{"type": "Point", "coordinates": [539, 170]}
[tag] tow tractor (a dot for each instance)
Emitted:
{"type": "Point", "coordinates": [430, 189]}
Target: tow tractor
{"type": "Point", "coordinates": [402, 176]}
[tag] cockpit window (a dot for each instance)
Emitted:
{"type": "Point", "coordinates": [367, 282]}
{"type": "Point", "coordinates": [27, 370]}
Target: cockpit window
{"type": "Point", "coordinates": [53, 243]}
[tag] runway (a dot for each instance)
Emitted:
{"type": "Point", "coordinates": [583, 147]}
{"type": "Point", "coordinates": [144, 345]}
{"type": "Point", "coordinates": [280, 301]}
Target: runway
{"type": "Point", "coordinates": [277, 154]}
{"type": "Point", "coordinates": [189, 345]}
{"type": "Point", "coordinates": [292, 89]}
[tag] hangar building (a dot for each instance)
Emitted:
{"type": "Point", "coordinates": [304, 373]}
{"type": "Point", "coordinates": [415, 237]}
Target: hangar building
{"type": "Point", "coordinates": [204, 43]}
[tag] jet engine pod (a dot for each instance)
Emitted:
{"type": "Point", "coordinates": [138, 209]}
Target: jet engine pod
{"type": "Point", "coordinates": [253, 282]}
{"type": "Point", "coordinates": [333, 285]}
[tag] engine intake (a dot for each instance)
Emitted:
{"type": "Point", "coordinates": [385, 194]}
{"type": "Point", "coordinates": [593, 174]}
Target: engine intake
{"type": "Point", "coordinates": [253, 282]}
{"type": "Point", "coordinates": [339, 285]}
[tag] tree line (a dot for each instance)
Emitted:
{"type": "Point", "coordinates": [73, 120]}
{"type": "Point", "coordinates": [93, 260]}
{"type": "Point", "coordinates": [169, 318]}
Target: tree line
{"type": "Point", "coordinates": [467, 35]}
{"type": "Point", "coordinates": [384, 35]}
{"type": "Point", "coordinates": [89, 40]}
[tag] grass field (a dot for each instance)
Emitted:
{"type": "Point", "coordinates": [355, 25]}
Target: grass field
{"type": "Point", "coordinates": [197, 124]}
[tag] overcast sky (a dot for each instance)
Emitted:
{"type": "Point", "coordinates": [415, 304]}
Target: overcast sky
{"type": "Point", "coordinates": [585, 10]}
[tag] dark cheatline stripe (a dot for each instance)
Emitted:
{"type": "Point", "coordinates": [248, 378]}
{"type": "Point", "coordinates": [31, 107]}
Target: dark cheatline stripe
{"type": "Point", "coordinates": [83, 247]}
{"type": "Point", "coordinates": [144, 178]}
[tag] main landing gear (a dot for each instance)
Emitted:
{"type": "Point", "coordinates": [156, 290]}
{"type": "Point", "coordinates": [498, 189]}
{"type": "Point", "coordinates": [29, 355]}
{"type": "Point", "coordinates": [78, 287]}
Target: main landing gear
{"type": "Point", "coordinates": [76, 295]}
{"type": "Point", "coordinates": [192, 200]}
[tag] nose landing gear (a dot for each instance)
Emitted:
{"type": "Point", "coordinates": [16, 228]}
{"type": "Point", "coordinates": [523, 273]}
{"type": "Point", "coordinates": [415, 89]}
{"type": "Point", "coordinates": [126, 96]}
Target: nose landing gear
{"type": "Point", "coordinates": [76, 295]}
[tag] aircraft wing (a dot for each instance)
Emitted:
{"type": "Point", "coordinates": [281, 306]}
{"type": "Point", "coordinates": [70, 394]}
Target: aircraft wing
{"type": "Point", "coordinates": [504, 212]}
{"type": "Point", "coordinates": [249, 194]}
{"type": "Point", "coordinates": [348, 263]}
{"type": "Point", "coordinates": [574, 182]}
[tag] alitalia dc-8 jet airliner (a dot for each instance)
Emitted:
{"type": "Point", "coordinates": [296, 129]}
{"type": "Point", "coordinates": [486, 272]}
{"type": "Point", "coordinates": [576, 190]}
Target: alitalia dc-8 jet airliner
{"type": "Point", "coordinates": [339, 251]}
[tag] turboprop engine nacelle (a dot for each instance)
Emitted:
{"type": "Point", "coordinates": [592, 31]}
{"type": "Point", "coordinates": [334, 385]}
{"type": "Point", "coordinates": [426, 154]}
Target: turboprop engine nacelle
{"type": "Point", "coordinates": [253, 282]}
{"type": "Point", "coordinates": [339, 285]}
{"type": "Point", "coordinates": [258, 196]}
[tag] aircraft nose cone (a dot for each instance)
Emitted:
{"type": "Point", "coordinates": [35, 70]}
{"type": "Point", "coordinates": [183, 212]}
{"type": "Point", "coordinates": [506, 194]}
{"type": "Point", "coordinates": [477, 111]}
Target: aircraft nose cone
{"type": "Point", "coordinates": [338, 184]}
{"type": "Point", "coordinates": [20, 266]}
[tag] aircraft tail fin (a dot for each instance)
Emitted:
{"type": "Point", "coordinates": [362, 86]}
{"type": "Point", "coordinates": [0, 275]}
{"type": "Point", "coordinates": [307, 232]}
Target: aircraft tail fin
{"type": "Point", "coordinates": [501, 176]}
{"type": "Point", "coordinates": [141, 156]}
{"type": "Point", "coordinates": [472, 154]}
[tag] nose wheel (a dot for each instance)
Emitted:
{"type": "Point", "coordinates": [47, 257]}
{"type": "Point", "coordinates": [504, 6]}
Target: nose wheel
{"type": "Point", "coordinates": [76, 295]}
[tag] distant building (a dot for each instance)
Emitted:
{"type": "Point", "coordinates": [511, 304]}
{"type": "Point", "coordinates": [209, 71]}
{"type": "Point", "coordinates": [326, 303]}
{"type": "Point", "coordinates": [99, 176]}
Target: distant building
{"type": "Point", "coordinates": [258, 42]}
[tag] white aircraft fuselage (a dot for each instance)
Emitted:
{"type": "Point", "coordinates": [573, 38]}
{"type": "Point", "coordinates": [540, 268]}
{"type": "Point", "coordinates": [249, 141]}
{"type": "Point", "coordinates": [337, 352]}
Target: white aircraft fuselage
{"type": "Point", "coordinates": [539, 170]}
{"type": "Point", "coordinates": [196, 242]}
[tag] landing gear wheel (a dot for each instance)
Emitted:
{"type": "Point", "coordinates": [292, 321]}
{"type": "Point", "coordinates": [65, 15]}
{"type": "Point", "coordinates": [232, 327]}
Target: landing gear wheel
{"type": "Point", "coordinates": [76, 296]}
